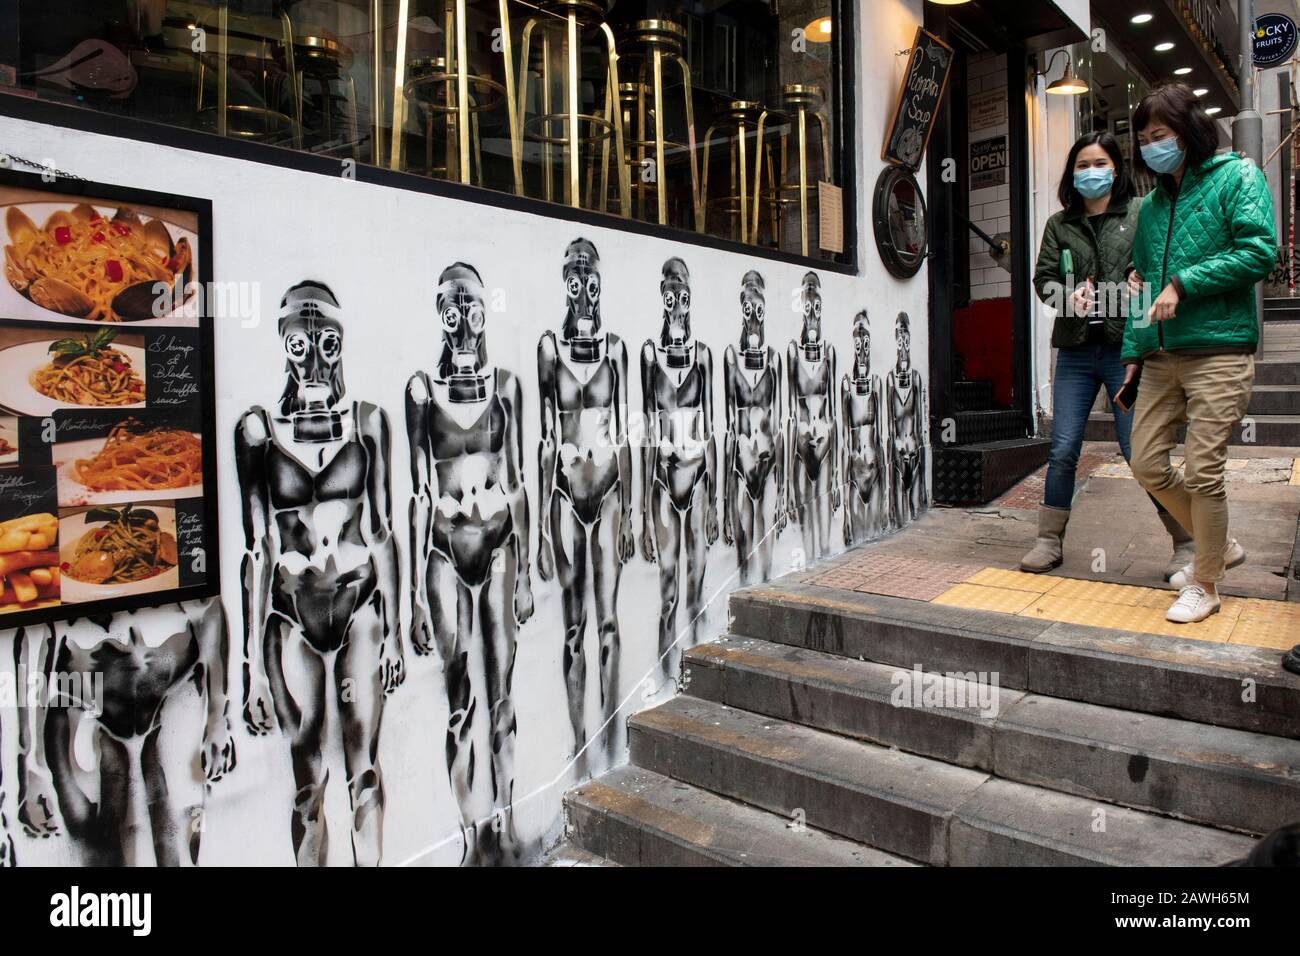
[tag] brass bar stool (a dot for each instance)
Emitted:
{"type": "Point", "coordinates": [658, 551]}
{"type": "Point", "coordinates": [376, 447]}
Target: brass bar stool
{"type": "Point", "coordinates": [434, 88]}
{"type": "Point", "coordinates": [562, 24]}
{"type": "Point", "coordinates": [254, 40]}
{"type": "Point", "coordinates": [740, 120]}
{"type": "Point", "coordinates": [325, 62]}
{"type": "Point", "coordinates": [461, 96]}
{"type": "Point", "coordinates": [647, 44]}
{"type": "Point", "coordinates": [798, 103]}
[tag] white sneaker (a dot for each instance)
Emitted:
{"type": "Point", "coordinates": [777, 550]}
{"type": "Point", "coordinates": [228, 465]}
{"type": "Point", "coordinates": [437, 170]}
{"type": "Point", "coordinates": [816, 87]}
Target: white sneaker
{"type": "Point", "coordinates": [1194, 604]}
{"type": "Point", "coordinates": [1233, 555]}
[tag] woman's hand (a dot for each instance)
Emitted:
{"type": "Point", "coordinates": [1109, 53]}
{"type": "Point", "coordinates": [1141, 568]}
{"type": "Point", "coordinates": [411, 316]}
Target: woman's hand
{"type": "Point", "coordinates": [1130, 373]}
{"type": "Point", "coordinates": [1134, 283]}
{"type": "Point", "coordinates": [1165, 306]}
{"type": "Point", "coordinates": [1082, 299]}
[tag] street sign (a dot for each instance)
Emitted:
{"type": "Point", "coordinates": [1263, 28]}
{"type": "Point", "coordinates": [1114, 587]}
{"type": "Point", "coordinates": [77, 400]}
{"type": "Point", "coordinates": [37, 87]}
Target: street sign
{"type": "Point", "coordinates": [1274, 39]}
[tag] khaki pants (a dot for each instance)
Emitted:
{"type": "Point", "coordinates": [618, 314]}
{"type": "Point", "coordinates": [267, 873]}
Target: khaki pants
{"type": "Point", "coordinates": [1210, 393]}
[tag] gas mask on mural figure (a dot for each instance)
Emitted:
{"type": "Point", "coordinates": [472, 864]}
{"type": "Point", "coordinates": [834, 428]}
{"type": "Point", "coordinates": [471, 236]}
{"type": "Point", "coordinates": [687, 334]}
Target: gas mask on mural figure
{"type": "Point", "coordinates": [753, 308]}
{"type": "Point", "coordinates": [464, 344]}
{"type": "Point", "coordinates": [675, 289]}
{"type": "Point", "coordinates": [810, 301]}
{"type": "Point", "coordinates": [903, 339]}
{"type": "Point", "coordinates": [861, 353]}
{"type": "Point", "coordinates": [311, 331]}
{"type": "Point", "coordinates": [582, 286]}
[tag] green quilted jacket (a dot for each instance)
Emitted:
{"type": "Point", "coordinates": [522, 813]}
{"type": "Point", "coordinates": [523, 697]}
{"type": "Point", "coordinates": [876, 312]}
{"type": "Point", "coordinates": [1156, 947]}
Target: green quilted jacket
{"type": "Point", "coordinates": [1213, 239]}
{"type": "Point", "coordinates": [1102, 254]}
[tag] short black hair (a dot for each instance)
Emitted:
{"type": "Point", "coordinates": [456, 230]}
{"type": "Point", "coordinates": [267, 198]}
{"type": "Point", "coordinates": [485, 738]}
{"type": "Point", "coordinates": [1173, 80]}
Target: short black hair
{"type": "Point", "coordinates": [1175, 105]}
{"type": "Point", "coordinates": [1120, 190]}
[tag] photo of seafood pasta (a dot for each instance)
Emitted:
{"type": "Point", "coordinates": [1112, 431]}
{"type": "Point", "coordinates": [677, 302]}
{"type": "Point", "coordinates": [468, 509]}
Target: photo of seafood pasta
{"type": "Point", "coordinates": [139, 458]}
{"type": "Point", "coordinates": [89, 371]}
{"type": "Point", "coordinates": [120, 546]}
{"type": "Point", "coordinates": [29, 563]}
{"type": "Point", "coordinates": [83, 264]}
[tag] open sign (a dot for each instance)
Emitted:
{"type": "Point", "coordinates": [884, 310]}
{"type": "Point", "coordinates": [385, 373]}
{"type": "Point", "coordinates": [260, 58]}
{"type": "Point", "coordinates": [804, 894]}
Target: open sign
{"type": "Point", "coordinates": [988, 162]}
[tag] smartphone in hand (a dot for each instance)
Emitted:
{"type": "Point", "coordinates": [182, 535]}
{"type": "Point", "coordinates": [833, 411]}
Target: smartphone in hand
{"type": "Point", "coordinates": [1127, 396]}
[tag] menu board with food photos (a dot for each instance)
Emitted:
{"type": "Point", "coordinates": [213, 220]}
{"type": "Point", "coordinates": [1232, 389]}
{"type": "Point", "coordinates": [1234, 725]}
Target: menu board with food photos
{"type": "Point", "coordinates": [107, 461]}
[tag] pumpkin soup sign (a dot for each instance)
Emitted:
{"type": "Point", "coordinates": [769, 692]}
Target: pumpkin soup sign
{"type": "Point", "coordinates": [924, 84]}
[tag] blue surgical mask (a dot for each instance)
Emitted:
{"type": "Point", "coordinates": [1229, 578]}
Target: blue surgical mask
{"type": "Point", "coordinates": [1164, 155]}
{"type": "Point", "coordinates": [1094, 182]}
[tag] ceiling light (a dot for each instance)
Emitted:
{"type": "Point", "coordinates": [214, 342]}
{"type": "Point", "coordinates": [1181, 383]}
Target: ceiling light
{"type": "Point", "coordinates": [949, 3]}
{"type": "Point", "coordinates": [1182, 71]}
{"type": "Point", "coordinates": [1164, 47]}
{"type": "Point", "coordinates": [1142, 18]}
{"type": "Point", "coordinates": [1214, 109]}
{"type": "Point", "coordinates": [1200, 91]}
{"type": "Point", "coordinates": [819, 31]}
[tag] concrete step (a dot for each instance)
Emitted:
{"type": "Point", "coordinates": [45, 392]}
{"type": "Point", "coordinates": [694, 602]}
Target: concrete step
{"type": "Point", "coordinates": [907, 805]}
{"type": "Point", "coordinates": [1274, 400]}
{"type": "Point", "coordinates": [568, 854]}
{"type": "Point", "coordinates": [1276, 372]}
{"type": "Point", "coordinates": [1269, 430]}
{"type": "Point", "coordinates": [1187, 679]}
{"type": "Point", "coordinates": [1221, 777]}
{"type": "Point", "coordinates": [636, 817]}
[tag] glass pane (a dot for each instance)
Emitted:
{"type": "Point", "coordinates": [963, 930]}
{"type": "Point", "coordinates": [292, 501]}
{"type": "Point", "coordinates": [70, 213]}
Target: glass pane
{"type": "Point", "coordinates": [706, 116]}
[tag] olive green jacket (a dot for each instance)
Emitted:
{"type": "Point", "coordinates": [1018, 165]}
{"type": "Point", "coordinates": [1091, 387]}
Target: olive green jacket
{"type": "Point", "coordinates": [1212, 238]}
{"type": "Point", "coordinates": [1103, 254]}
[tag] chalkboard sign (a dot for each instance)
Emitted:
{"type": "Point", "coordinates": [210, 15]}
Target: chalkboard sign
{"type": "Point", "coordinates": [924, 85]}
{"type": "Point", "coordinates": [107, 439]}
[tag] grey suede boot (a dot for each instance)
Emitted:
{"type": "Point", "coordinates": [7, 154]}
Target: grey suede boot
{"type": "Point", "coordinates": [1184, 546]}
{"type": "Point", "coordinates": [1047, 550]}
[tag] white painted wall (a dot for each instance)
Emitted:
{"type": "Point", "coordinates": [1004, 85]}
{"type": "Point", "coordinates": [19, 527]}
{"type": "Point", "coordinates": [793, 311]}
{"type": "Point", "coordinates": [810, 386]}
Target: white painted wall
{"type": "Point", "coordinates": [381, 250]}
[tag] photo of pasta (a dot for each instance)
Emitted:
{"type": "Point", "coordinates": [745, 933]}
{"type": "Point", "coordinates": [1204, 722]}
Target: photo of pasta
{"type": "Point", "coordinates": [106, 552]}
{"type": "Point", "coordinates": [96, 263]}
{"type": "Point", "coordinates": [135, 462]}
{"type": "Point", "coordinates": [29, 563]}
{"type": "Point", "coordinates": [43, 373]}
{"type": "Point", "coordinates": [8, 440]}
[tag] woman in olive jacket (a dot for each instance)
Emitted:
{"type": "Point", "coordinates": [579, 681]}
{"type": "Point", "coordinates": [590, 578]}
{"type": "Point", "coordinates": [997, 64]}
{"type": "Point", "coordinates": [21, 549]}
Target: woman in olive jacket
{"type": "Point", "coordinates": [1086, 250]}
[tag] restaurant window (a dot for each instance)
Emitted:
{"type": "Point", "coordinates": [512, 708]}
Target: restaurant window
{"type": "Point", "coordinates": [713, 117]}
{"type": "Point", "coordinates": [1115, 88]}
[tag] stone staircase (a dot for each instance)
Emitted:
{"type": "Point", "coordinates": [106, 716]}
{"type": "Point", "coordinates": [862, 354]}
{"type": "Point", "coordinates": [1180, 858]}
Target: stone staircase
{"type": "Point", "coordinates": [1107, 747]}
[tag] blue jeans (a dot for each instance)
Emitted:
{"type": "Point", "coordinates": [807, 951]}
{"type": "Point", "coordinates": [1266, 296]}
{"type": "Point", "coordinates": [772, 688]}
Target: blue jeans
{"type": "Point", "coordinates": [1080, 372]}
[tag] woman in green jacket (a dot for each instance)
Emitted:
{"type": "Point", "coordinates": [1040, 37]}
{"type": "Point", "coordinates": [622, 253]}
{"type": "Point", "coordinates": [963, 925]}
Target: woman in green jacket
{"type": "Point", "coordinates": [1205, 237]}
{"type": "Point", "coordinates": [1086, 250]}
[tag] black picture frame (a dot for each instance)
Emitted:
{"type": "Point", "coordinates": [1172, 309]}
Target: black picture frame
{"type": "Point", "coordinates": [62, 187]}
{"type": "Point", "coordinates": [901, 265]}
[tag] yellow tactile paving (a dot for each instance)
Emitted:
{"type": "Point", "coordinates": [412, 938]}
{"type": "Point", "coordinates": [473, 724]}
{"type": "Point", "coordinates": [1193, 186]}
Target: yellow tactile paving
{"type": "Point", "coordinates": [1118, 470]}
{"type": "Point", "coordinates": [1099, 591]}
{"type": "Point", "coordinates": [1253, 621]}
{"type": "Point", "coordinates": [1015, 580]}
{"type": "Point", "coordinates": [1295, 472]}
{"type": "Point", "coordinates": [979, 598]}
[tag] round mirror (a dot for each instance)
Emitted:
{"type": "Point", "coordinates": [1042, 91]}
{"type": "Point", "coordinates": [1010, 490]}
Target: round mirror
{"type": "Point", "coordinates": [901, 227]}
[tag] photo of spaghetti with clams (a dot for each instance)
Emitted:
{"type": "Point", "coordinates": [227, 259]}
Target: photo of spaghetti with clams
{"type": "Point", "coordinates": [83, 264]}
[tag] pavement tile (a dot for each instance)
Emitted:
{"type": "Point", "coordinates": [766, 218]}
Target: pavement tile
{"type": "Point", "coordinates": [904, 586]}
{"type": "Point", "coordinates": [1015, 580]}
{"type": "Point", "coordinates": [980, 598]}
{"type": "Point", "coordinates": [1146, 620]}
{"type": "Point", "coordinates": [1099, 591]}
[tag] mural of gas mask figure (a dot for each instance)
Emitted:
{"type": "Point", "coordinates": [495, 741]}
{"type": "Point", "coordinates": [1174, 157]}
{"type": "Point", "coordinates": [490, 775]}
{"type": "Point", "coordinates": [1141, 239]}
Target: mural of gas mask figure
{"type": "Point", "coordinates": [679, 459]}
{"type": "Point", "coordinates": [132, 731]}
{"type": "Point", "coordinates": [320, 575]}
{"type": "Point", "coordinates": [866, 512]}
{"type": "Point", "coordinates": [812, 430]}
{"type": "Point", "coordinates": [469, 556]}
{"type": "Point", "coordinates": [7, 854]}
{"type": "Point", "coordinates": [585, 487]}
{"type": "Point", "coordinates": [754, 488]}
{"type": "Point", "coordinates": [909, 494]}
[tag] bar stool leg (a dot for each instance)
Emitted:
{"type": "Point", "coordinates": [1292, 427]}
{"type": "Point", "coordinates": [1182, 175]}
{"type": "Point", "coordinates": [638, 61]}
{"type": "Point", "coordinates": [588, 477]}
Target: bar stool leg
{"type": "Point", "coordinates": [696, 204]}
{"type": "Point", "coordinates": [295, 87]}
{"type": "Point", "coordinates": [703, 210]}
{"type": "Point", "coordinates": [624, 174]}
{"type": "Point", "coordinates": [512, 112]}
{"type": "Point", "coordinates": [758, 172]}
